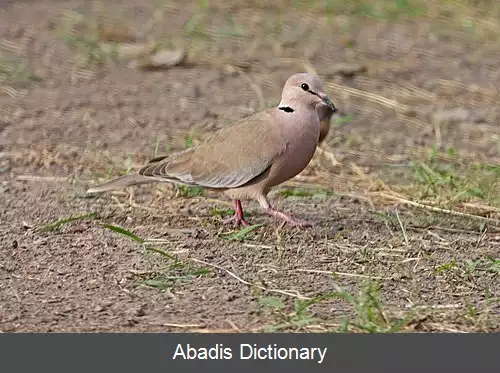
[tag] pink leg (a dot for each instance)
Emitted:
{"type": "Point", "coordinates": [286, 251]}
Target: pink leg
{"type": "Point", "coordinates": [288, 219]}
{"type": "Point", "coordinates": [237, 218]}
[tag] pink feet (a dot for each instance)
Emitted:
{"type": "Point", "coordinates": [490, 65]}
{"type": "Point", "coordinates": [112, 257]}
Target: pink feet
{"type": "Point", "coordinates": [237, 219]}
{"type": "Point", "coordinates": [288, 219]}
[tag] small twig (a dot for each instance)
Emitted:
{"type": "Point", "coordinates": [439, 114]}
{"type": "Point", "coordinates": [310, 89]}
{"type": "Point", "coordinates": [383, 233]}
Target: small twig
{"type": "Point", "coordinates": [47, 273]}
{"type": "Point", "coordinates": [402, 228]}
{"type": "Point", "coordinates": [342, 274]}
{"type": "Point", "coordinates": [481, 238]}
{"type": "Point", "coordinates": [478, 206]}
{"type": "Point", "coordinates": [256, 246]}
{"type": "Point", "coordinates": [146, 208]}
{"type": "Point", "coordinates": [141, 273]}
{"type": "Point", "coordinates": [284, 292]}
{"type": "Point", "coordinates": [41, 178]}
{"type": "Point", "coordinates": [445, 229]}
{"type": "Point", "coordinates": [213, 331]}
{"type": "Point", "coordinates": [233, 325]}
{"type": "Point", "coordinates": [15, 292]}
{"type": "Point", "coordinates": [435, 306]}
{"type": "Point", "coordinates": [184, 326]}
{"type": "Point", "coordinates": [437, 133]}
{"type": "Point", "coordinates": [437, 209]}
{"type": "Point", "coordinates": [430, 233]}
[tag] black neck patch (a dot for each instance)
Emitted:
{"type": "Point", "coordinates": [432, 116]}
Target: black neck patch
{"type": "Point", "coordinates": [286, 109]}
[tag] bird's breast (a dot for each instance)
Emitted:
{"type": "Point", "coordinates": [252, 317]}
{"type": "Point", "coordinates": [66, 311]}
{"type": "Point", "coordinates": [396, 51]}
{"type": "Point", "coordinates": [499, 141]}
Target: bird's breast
{"type": "Point", "coordinates": [297, 154]}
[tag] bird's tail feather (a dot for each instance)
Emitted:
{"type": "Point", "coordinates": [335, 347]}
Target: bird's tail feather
{"type": "Point", "coordinates": [121, 183]}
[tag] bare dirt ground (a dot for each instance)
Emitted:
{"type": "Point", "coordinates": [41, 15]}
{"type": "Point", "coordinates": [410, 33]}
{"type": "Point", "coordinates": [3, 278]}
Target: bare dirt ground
{"type": "Point", "coordinates": [405, 190]}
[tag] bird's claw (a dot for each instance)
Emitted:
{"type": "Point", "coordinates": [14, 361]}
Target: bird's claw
{"type": "Point", "coordinates": [288, 219]}
{"type": "Point", "coordinates": [236, 220]}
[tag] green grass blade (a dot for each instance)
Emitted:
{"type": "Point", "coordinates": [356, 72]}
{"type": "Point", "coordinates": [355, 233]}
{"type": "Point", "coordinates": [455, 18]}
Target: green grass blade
{"type": "Point", "coordinates": [242, 233]}
{"type": "Point", "coordinates": [161, 252]}
{"type": "Point", "coordinates": [123, 232]}
{"type": "Point", "coordinates": [60, 222]}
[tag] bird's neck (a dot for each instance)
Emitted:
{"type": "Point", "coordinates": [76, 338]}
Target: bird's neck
{"type": "Point", "coordinates": [290, 103]}
{"type": "Point", "coordinates": [297, 117]}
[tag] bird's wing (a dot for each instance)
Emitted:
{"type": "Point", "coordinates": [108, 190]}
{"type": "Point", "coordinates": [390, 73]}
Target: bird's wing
{"type": "Point", "coordinates": [229, 158]}
{"type": "Point", "coordinates": [235, 155]}
{"type": "Point", "coordinates": [175, 167]}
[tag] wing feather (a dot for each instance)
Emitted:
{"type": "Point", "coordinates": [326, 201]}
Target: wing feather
{"type": "Point", "coordinates": [230, 158]}
{"type": "Point", "coordinates": [237, 154]}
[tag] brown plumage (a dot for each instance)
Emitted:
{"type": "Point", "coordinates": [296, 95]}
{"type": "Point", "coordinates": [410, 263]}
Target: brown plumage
{"type": "Point", "coordinates": [250, 157]}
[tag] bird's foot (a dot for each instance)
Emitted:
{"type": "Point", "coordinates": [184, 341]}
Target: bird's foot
{"type": "Point", "coordinates": [236, 220]}
{"type": "Point", "coordinates": [288, 219]}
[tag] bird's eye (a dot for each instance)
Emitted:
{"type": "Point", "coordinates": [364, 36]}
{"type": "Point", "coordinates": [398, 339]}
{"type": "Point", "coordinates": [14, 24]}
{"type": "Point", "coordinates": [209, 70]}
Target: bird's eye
{"type": "Point", "coordinates": [304, 86]}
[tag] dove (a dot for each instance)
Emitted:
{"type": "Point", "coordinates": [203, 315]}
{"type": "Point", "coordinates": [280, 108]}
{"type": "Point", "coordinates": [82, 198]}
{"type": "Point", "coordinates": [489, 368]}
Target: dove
{"type": "Point", "coordinates": [246, 159]}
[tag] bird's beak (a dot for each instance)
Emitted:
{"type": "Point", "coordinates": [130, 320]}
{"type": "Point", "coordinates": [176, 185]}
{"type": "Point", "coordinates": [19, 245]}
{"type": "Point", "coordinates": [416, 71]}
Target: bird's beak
{"type": "Point", "coordinates": [328, 102]}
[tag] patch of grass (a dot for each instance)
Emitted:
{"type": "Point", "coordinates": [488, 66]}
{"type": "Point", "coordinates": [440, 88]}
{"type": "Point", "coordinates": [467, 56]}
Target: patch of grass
{"type": "Point", "coordinates": [188, 142]}
{"type": "Point", "coordinates": [295, 192]}
{"type": "Point", "coordinates": [168, 278]}
{"type": "Point", "coordinates": [90, 48]}
{"type": "Point", "coordinates": [469, 269]}
{"type": "Point", "coordinates": [50, 227]}
{"type": "Point", "coordinates": [297, 317]}
{"type": "Point", "coordinates": [341, 121]}
{"type": "Point", "coordinates": [188, 192]}
{"type": "Point", "coordinates": [391, 10]}
{"type": "Point", "coordinates": [301, 192]}
{"type": "Point", "coordinates": [493, 265]}
{"type": "Point", "coordinates": [129, 164]}
{"type": "Point", "coordinates": [450, 182]}
{"type": "Point", "coordinates": [156, 149]}
{"type": "Point", "coordinates": [242, 233]}
{"type": "Point", "coordinates": [390, 219]}
{"type": "Point", "coordinates": [449, 266]}
{"type": "Point", "coordinates": [368, 314]}
{"type": "Point", "coordinates": [87, 43]}
{"type": "Point", "coordinates": [123, 232]}
{"type": "Point", "coordinates": [480, 316]}
{"type": "Point", "coordinates": [14, 71]}
{"type": "Point", "coordinates": [168, 275]}
{"type": "Point", "coordinates": [126, 168]}
{"type": "Point", "coordinates": [175, 270]}
{"type": "Point", "coordinates": [222, 212]}
{"type": "Point", "coordinates": [195, 28]}
{"type": "Point", "coordinates": [276, 25]}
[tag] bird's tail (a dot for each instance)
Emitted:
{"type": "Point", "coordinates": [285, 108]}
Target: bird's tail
{"type": "Point", "coordinates": [121, 183]}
